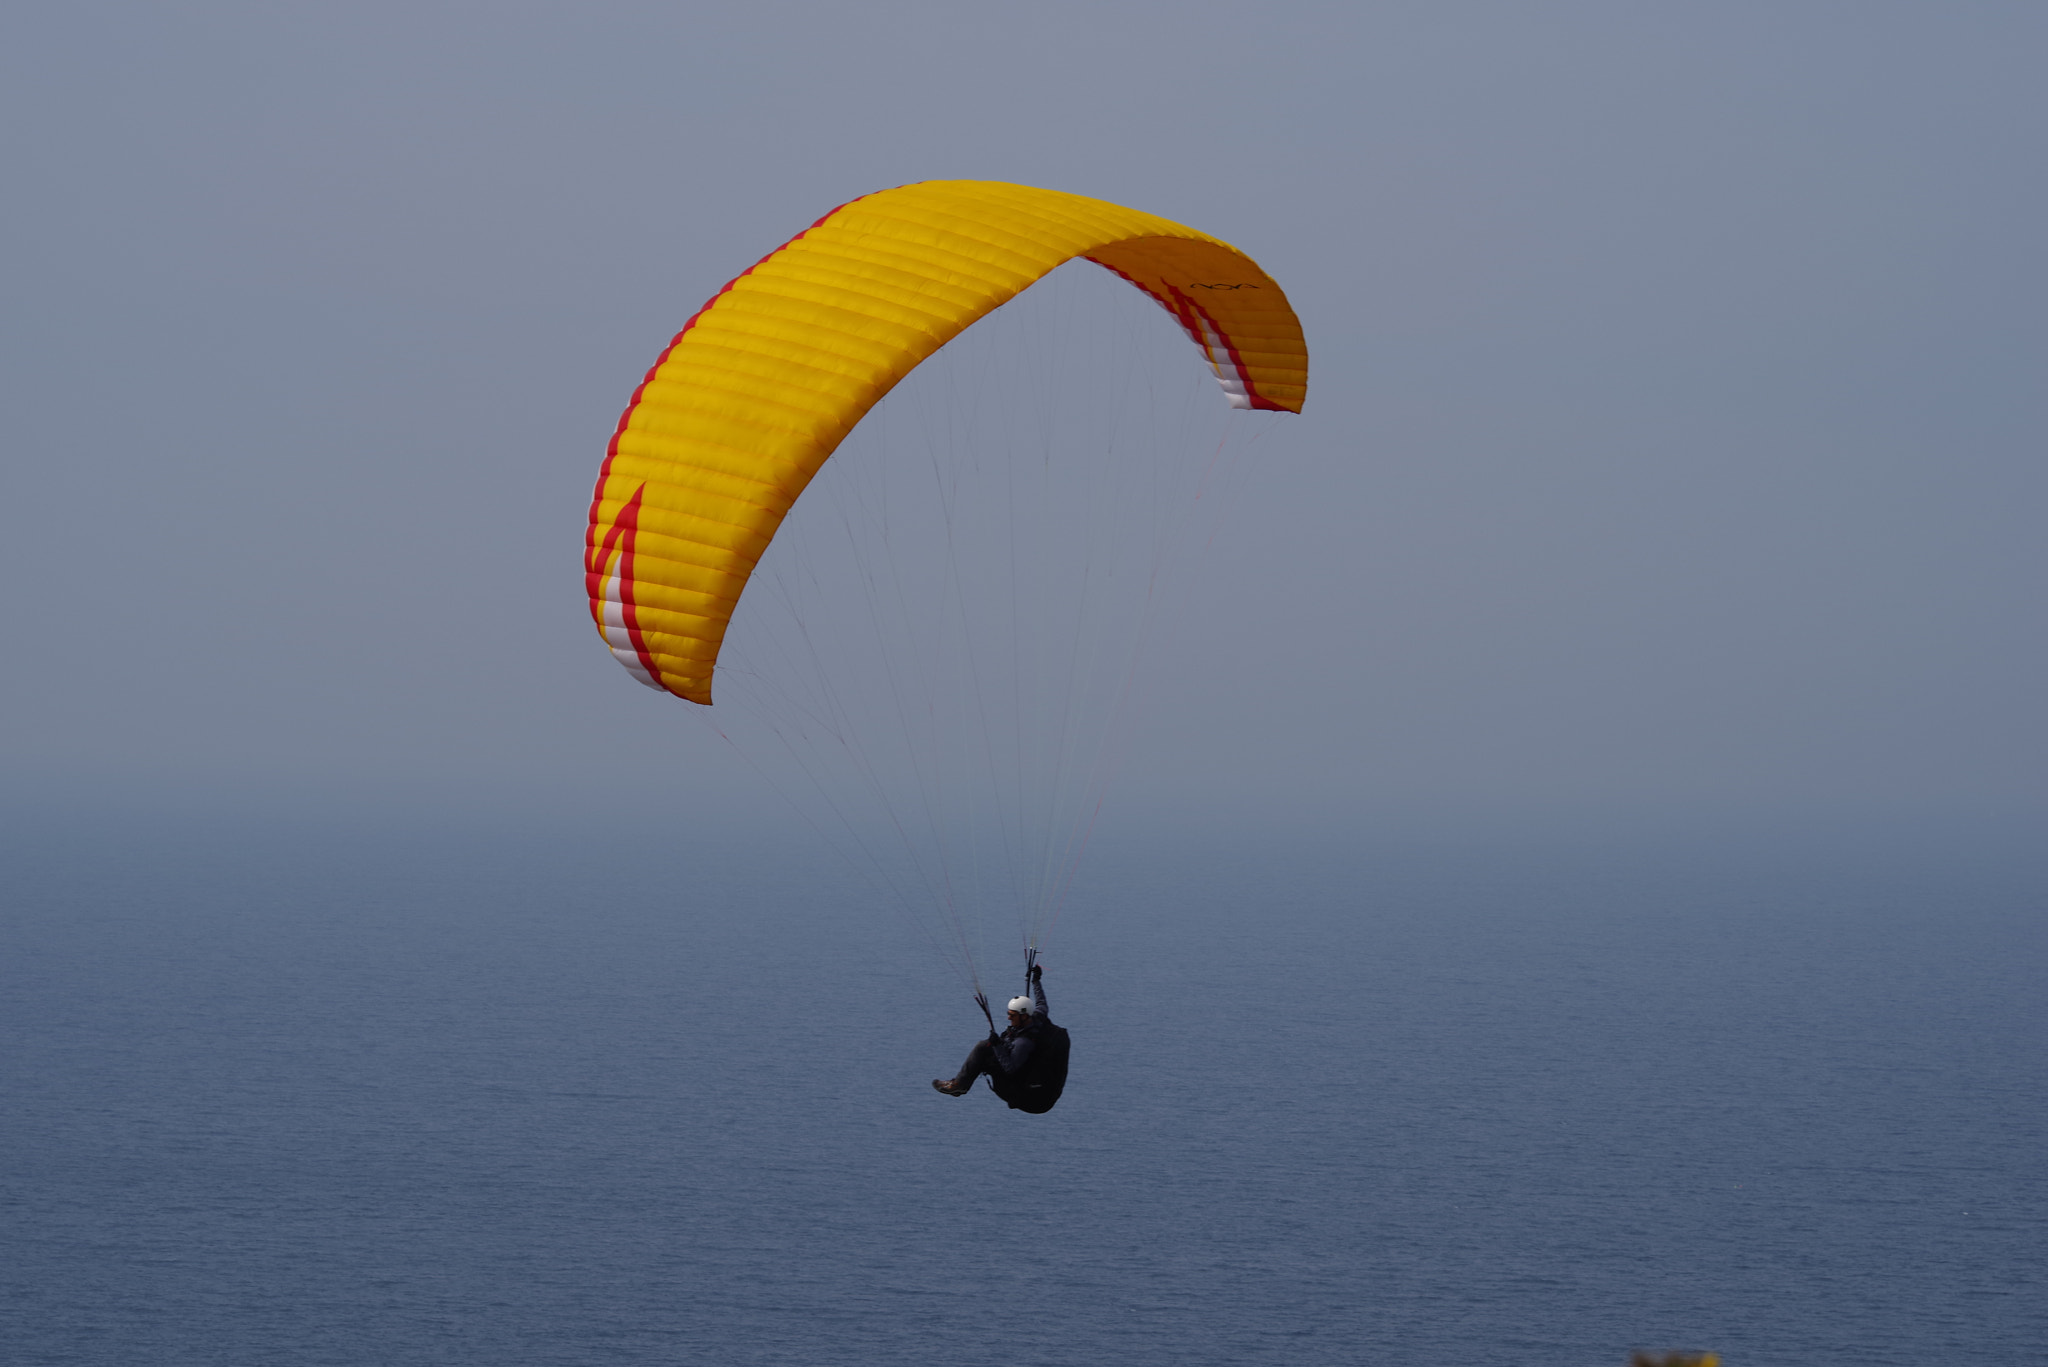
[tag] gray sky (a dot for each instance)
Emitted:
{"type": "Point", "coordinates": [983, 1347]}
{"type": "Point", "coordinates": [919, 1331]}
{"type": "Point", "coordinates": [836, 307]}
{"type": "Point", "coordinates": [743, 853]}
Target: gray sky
{"type": "Point", "coordinates": [1675, 439]}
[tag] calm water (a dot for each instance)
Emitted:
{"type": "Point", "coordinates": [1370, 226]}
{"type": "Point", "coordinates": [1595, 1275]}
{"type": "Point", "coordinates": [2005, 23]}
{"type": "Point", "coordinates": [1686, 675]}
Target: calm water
{"type": "Point", "coordinates": [287, 1099]}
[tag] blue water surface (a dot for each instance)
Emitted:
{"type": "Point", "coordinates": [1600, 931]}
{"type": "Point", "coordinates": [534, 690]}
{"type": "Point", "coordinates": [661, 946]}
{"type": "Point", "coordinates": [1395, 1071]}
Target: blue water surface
{"type": "Point", "coordinates": [342, 1095]}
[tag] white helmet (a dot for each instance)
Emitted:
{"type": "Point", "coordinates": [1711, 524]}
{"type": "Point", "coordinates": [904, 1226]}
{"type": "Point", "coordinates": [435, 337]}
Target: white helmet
{"type": "Point", "coordinates": [1022, 1004]}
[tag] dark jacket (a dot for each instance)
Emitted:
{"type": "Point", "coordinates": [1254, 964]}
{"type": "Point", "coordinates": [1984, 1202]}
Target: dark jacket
{"type": "Point", "coordinates": [1032, 1060]}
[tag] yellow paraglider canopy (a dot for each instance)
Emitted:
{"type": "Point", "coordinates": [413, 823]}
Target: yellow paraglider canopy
{"type": "Point", "coordinates": [766, 380]}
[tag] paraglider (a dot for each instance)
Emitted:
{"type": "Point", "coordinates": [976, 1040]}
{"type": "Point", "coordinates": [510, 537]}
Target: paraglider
{"type": "Point", "coordinates": [1026, 1065]}
{"type": "Point", "coordinates": [736, 419]}
{"type": "Point", "coordinates": [766, 379]}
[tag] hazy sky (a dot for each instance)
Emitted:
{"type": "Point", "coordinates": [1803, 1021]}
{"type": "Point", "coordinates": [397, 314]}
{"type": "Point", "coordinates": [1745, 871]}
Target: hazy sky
{"type": "Point", "coordinates": [1675, 442]}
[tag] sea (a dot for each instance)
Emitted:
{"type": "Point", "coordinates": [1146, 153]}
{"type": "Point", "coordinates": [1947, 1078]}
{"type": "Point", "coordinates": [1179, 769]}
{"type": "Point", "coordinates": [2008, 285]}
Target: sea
{"type": "Point", "coordinates": [382, 1093]}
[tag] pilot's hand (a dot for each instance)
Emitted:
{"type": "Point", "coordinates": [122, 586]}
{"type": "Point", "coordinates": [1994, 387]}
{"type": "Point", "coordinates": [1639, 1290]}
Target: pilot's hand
{"type": "Point", "coordinates": [1036, 973]}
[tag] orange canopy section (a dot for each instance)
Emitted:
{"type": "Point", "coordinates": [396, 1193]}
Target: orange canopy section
{"type": "Point", "coordinates": [766, 380]}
